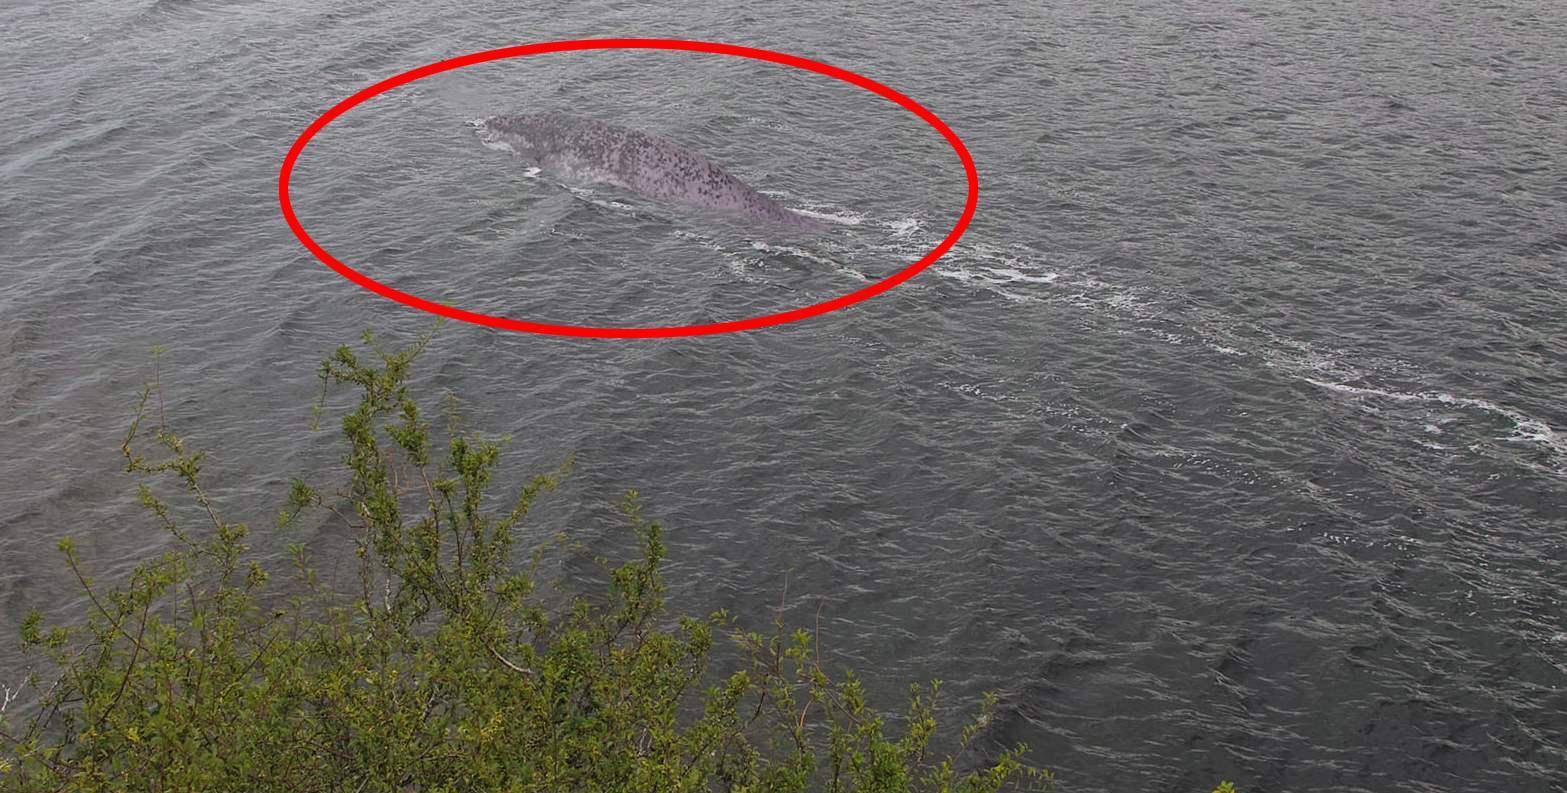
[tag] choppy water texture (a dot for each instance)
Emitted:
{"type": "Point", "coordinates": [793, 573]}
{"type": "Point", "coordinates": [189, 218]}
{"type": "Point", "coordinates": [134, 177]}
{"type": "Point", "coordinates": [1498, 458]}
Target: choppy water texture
{"type": "Point", "coordinates": [1229, 443]}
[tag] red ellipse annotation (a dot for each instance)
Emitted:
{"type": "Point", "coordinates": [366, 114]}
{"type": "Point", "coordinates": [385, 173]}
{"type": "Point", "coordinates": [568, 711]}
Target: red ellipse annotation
{"type": "Point", "coordinates": [969, 205]}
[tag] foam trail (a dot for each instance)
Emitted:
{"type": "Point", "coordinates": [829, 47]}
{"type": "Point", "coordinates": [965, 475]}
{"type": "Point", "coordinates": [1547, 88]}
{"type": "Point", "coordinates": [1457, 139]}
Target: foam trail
{"type": "Point", "coordinates": [1526, 429]}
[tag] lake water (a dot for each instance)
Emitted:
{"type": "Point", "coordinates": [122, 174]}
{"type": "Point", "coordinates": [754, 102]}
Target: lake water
{"type": "Point", "coordinates": [1228, 443]}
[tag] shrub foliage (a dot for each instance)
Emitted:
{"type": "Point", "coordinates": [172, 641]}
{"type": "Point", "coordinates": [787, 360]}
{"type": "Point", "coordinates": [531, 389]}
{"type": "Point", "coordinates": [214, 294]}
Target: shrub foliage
{"type": "Point", "coordinates": [445, 666]}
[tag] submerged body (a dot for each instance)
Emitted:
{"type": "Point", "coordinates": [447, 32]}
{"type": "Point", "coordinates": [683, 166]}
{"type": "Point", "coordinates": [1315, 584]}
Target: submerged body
{"type": "Point", "coordinates": [583, 148]}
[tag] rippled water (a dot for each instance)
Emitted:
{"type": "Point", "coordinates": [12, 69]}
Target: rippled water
{"type": "Point", "coordinates": [1229, 443]}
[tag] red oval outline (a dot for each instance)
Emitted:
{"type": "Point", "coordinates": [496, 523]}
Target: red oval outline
{"type": "Point", "coordinates": [540, 48]}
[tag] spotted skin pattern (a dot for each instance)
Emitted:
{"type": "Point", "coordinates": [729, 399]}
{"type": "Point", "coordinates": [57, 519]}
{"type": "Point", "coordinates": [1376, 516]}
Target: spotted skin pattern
{"type": "Point", "coordinates": [590, 150]}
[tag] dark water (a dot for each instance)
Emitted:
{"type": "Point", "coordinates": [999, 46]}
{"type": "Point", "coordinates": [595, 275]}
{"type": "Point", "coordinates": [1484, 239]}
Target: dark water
{"type": "Point", "coordinates": [1228, 444]}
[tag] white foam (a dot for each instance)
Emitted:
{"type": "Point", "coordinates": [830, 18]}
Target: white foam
{"type": "Point", "coordinates": [990, 267]}
{"type": "Point", "coordinates": [791, 250]}
{"type": "Point", "coordinates": [823, 212]}
{"type": "Point", "coordinates": [977, 390]}
{"type": "Point", "coordinates": [844, 218]}
{"type": "Point", "coordinates": [1526, 429]}
{"type": "Point", "coordinates": [805, 254]}
{"type": "Point", "coordinates": [1014, 275]}
{"type": "Point", "coordinates": [498, 145]}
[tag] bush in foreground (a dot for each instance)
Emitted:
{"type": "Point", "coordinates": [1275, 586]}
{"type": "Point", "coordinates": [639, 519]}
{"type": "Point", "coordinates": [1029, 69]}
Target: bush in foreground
{"type": "Point", "coordinates": [444, 669]}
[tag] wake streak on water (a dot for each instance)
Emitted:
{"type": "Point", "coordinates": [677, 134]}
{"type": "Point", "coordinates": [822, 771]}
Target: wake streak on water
{"type": "Point", "coordinates": [862, 248]}
{"type": "Point", "coordinates": [1527, 429]}
{"type": "Point", "coordinates": [1010, 274]}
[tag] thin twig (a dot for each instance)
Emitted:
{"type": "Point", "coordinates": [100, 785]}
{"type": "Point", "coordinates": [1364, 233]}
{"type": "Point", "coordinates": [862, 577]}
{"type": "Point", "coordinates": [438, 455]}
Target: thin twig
{"type": "Point", "coordinates": [503, 659]}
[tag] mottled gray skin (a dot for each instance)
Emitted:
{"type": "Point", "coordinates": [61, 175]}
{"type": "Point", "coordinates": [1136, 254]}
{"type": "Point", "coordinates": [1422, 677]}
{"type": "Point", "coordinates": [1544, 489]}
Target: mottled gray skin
{"type": "Point", "coordinates": [581, 148]}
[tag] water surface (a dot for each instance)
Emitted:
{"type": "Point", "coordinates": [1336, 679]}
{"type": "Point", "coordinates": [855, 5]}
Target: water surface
{"type": "Point", "coordinates": [1228, 444]}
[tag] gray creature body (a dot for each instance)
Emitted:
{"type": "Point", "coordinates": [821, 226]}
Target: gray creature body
{"type": "Point", "coordinates": [584, 149]}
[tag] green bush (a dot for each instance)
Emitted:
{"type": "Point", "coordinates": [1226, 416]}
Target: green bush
{"type": "Point", "coordinates": [443, 668]}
